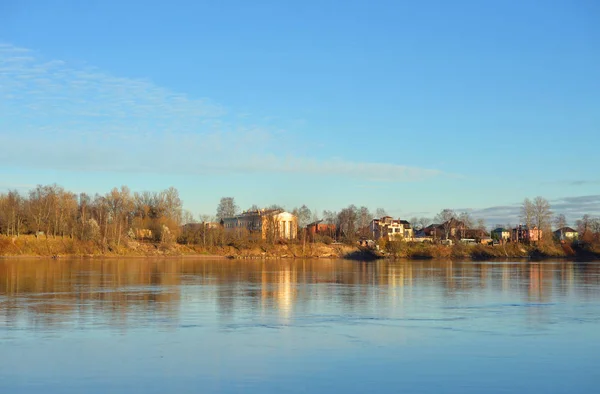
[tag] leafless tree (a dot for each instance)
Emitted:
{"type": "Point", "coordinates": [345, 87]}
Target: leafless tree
{"type": "Point", "coordinates": [424, 222]}
{"type": "Point", "coordinates": [347, 222]}
{"type": "Point", "coordinates": [445, 217]}
{"type": "Point", "coordinates": [380, 212]}
{"type": "Point", "coordinates": [304, 216]}
{"type": "Point", "coordinates": [542, 214]}
{"type": "Point", "coordinates": [560, 221]}
{"type": "Point", "coordinates": [414, 221]}
{"type": "Point", "coordinates": [226, 208]}
{"type": "Point", "coordinates": [467, 221]}
{"type": "Point", "coordinates": [527, 212]}
{"type": "Point", "coordinates": [330, 217]}
{"type": "Point", "coordinates": [364, 220]}
{"type": "Point", "coordinates": [481, 224]}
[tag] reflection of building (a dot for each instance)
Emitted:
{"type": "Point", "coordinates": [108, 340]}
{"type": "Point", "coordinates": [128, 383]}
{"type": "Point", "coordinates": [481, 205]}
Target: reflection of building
{"type": "Point", "coordinates": [391, 229]}
{"type": "Point", "coordinates": [267, 222]}
{"type": "Point", "coordinates": [526, 234]}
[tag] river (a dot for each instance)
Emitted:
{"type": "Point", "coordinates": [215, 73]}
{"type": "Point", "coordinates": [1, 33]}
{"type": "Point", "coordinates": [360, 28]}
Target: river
{"type": "Point", "coordinates": [315, 326]}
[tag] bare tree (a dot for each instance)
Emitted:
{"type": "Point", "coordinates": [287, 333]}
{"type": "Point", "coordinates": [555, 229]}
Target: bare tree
{"type": "Point", "coordinates": [364, 220]}
{"type": "Point", "coordinates": [39, 208]}
{"type": "Point", "coordinates": [120, 205]}
{"type": "Point", "coordinates": [445, 217]}
{"type": "Point", "coordinates": [347, 221]}
{"type": "Point", "coordinates": [527, 212]}
{"type": "Point", "coordinates": [12, 213]}
{"type": "Point", "coordinates": [560, 221]}
{"type": "Point", "coordinates": [187, 217]}
{"type": "Point", "coordinates": [380, 212]}
{"type": "Point", "coordinates": [481, 224]}
{"type": "Point", "coordinates": [414, 221]}
{"type": "Point", "coordinates": [330, 217]}
{"type": "Point", "coordinates": [467, 221]}
{"type": "Point", "coordinates": [583, 225]}
{"type": "Point", "coordinates": [304, 216]}
{"type": "Point", "coordinates": [226, 208]}
{"type": "Point", "coordinates": [424, 222]}
{"type": "Point", "coordinates": [542, 214]}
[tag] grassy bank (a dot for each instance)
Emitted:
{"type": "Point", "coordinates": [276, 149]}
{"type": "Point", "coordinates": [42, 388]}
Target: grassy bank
{"type": "Point", "coordinates": [29, 245]}
{"type": "Point", "coordinates": [486, 252]}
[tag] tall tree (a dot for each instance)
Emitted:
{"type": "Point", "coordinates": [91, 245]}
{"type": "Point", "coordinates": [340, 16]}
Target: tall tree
{"type": "Point", "coordinates": [304, 216]}
{"type": "Point", "coordinates": [329, 217]}
{"type": "Point", "coordinates": [120, 205]}
{"type": "Point", "coordinates": [424, 222]}
{"type": "Point", "coordinates": [380, 212]}
{"type": "Point", "coordinates": [364, 220]}
{"type": "Point", "coordinates": [467, 220]}
{"type": "Point", "coordinates": [542, 214]}
{"type": "Point", "coordinates": [481, 224]}
{"type": "Point", "coordinates": [560, 221]}
{"type": "Point", "coordinates": [414, 221]}
{"type": "Point", "coordinates": [527, 212]}
{"type": "Point", "coordinates": [226, 208]}
{"type": "Point", "coordinates": [347, 222]}
{"type": "Point", "coordinates": [583, 224]}
{"type": "Point", "coordinates": [445, 218]}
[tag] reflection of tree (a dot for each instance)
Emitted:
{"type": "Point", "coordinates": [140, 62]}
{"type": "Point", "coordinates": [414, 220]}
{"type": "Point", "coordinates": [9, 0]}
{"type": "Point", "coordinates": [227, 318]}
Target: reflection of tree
{"type": "Point", "coordinates": [46, 293]}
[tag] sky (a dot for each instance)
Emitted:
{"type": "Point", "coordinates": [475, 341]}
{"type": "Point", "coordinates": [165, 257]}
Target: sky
{"type": "Point", "coordinates": [409, 106]}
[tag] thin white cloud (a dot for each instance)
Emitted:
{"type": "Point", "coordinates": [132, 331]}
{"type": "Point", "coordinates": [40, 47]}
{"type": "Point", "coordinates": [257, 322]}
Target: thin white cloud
{"type": "Point", "coordinates": [573, 207]}
{"type": "Point", "coordinates": [79, 118]}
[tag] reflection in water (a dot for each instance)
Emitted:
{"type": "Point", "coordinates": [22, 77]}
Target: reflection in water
{"type": "Point", "coordinates": [188, 326]}
{"type": "Point", "coordinates": [120, 293]}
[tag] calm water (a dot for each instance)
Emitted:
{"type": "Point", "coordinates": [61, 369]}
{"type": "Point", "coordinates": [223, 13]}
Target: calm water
{"type": "Point", "coordinates": [191, 326]}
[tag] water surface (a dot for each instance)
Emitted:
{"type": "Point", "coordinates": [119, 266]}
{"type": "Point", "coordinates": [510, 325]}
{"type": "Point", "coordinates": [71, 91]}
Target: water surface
{"type": "Point", "coordinates": [190, 325]}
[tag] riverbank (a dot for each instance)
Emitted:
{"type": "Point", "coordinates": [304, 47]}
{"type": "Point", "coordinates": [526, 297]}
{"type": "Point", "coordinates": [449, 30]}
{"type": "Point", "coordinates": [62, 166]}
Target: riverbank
{"type": "Point", "coordinates": [30, 246]}
{"type": "Point", "coordinates": [551, 250]}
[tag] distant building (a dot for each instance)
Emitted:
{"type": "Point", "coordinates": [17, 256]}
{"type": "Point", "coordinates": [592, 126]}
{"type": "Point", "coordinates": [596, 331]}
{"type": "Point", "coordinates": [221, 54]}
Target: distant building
{"type": "Point", "coordinates": [501, 234]}
{"type": "Point", "coordinates": [477, 234]}
{"type": "Point", "coordinates": [391, 229]}
{"type": "Point", "coordinates": [453, 228]}
{"type": "Point", "coordinates": [566, 234]}
{"type": "Point", "coordinates": [199, 226]}
{"type": "Point", "coordinates": [266, 222]}
{"type": "Point", "coordinates": [523, 233]}
{"type": "Point", "coordinates": [320, 228]}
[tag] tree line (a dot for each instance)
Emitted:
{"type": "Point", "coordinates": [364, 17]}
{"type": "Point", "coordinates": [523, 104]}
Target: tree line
{"type": "Point", "coordinates": [52, 211]}
{"type": "Point", "coordinates": [107, 219]}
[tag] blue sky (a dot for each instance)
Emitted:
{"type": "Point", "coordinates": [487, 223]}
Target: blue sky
{"type": "Point", "coordinates": [410, 106]}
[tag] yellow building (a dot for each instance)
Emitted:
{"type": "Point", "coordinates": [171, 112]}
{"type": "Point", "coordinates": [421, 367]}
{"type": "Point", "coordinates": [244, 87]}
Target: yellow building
{"type": "Point", "coordinates": [267, 222]}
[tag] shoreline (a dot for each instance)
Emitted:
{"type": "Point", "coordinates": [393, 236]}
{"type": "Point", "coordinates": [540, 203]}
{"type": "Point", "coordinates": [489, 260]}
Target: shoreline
{"type": "Point", "coordinates": [29, 247]}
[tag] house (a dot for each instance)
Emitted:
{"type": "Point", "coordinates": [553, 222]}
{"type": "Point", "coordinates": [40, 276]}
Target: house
{"type": "Point", "coordinates": [566, 234]}
{"type": "Point", "coordinates": [474, 233]}
{"type": "Point", "coordinates": [391, 229]}
{"type": "Point", "coordinates": [452, 228]}
{"type": "Point", "coordinates": [433, 231]}
{"type": "Point", "coordinates": [320, 228]}
{"type": "Point", "coordinates": [524, 233]}
{"type": "Point", "coordinates": [501, 234]}
{"type": "Point", "coordinates": [266, 222]}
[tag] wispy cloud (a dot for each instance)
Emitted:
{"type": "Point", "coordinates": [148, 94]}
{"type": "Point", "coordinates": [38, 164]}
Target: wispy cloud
{"type": "Point", "coordinates": [80, 118]}
{"type": "Point", "coordinates": [575, 182]}
{"type": "Point", "coordinates": [573, 208]}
